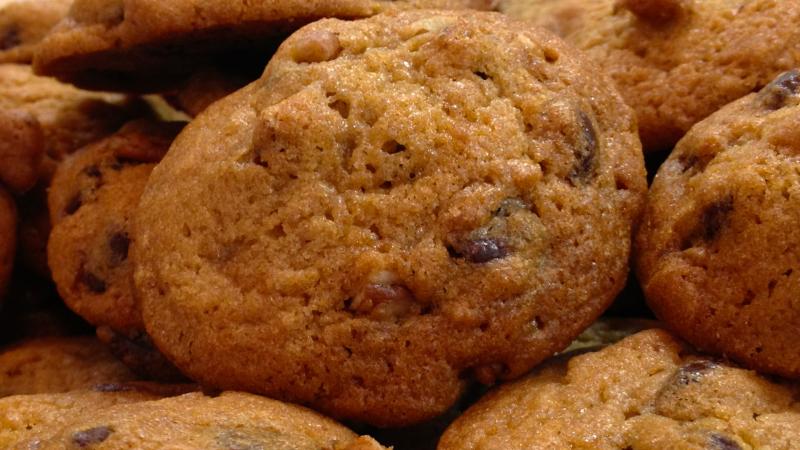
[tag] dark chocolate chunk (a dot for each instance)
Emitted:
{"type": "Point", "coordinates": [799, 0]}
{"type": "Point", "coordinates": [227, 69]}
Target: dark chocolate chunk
{"type": "Point", "coordinates": [92, 171]}
{"type": "Point", "coordinates": [775, 94]}
{"type": "Point", "coordinates": [585, 150]}
{"type": "Point", "coordinates": [714, 218]}
{"type": "Point", "coordinates": [87, 438]}
{"type": "Point", "coordinates": [721, 442]}
{"type": "Point", "coordinates": [94, 283]}
{"type": "Point", "coordinates": [694, 371]}
{"type": "Point", "coordinates": [479, 250]}
{"type": "Point", "coordinates": [10, 38]}
{"type": "Point", "coordinates": [119, 243]}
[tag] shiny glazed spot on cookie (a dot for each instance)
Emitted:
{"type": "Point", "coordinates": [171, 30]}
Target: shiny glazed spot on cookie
{"type": "Point", "coordinates": [90, 437]}
{"type": "Point", "coordinates": [775, 95]}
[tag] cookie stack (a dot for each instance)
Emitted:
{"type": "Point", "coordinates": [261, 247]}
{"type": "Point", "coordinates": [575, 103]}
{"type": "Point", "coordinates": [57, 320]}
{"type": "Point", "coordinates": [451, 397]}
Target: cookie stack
{"type": "Point", "coordinates": [273, 215]}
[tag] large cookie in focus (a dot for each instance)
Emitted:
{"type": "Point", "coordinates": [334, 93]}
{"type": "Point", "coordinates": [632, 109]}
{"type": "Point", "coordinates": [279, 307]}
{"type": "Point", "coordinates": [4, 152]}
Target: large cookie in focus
{"type": "Point", "coordinates": [150, 45]}
{"type": "Point", "coordinates": [718, 251]}
{"type": "Point", "coordinates": [400, 203]}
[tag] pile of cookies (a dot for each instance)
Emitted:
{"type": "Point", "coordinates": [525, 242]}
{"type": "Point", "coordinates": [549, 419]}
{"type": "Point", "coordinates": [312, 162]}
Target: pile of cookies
{"type": "Point", "coordinates": [231, 224]}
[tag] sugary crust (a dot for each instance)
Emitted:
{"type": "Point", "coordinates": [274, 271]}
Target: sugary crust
{"type": "Point", "coordinates": [230, 420]}
{"type": "Point", "coordinates": [718, 251]}
{"type": "Point", "coordinates": [648, 392]}
{"type": "Point", "coordinates": [364, 232]}
{"type": "Point", "coordinates": [116, 43]}
{"type": "Point", "coordinates": [676, 61]}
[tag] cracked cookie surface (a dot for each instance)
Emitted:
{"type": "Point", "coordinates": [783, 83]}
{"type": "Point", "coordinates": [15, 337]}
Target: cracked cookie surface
{"type": "Point", "coordinates": [147, 45]}
{"type": "Point", "coordinates": [400, 203]}
{"type": "Point", "coordinates": [676, 61]}
{"type": "Point", "coordinates": [649, 391]}
{"type": "Point", "coordinates": [717, 253]}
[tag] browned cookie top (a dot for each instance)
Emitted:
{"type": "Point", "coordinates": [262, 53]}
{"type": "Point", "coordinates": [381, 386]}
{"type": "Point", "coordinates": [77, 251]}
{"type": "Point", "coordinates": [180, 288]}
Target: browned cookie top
{"type": "Point", "coordinates": [23, 23]}
{"type": "Point", "coordinates": [676, 61]}
{"type": "Point", "coordinates": [8, 238]}
{"type": "Point", "coordinates": [50, 365]}
{"type": "Point", "coordinates": [648, 392]}
{"type": "Point", "coordinates": [719, 249]}
{"type": "Point", "coordinates": [400, 202]}
{"type": "Point", "coordinates": [145, 45]}
{"type": "Point", "coordinates": [92, 199]}
{"type": "Point", "coordinates": [194, 421]}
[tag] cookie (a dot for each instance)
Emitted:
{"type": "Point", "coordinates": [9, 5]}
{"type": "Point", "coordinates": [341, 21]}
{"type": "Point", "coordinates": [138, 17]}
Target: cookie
{"type": "Point", "coordinates": [91, 200]}
{"type": "Point", "coordinates": [23, 23]}
{"type": "Point", "coordinates": [717, 256]}
{"type": "Point", "coordinates": [21, 149]}
{"type": "Point", "coordinates": [149, 45]}
{"type": "Point", "coordinates": [69, 118]}
{"type": "Point", "coordinates": [650, 391]}
{"type": "Point", "coordinates": [51, 365]}
{"type": "Point", "coordinates": [8, 238]}
{"type": "Point", "coordinates": [397, 205]}
{"type": "Point", "coordinates": [676, 61]}
{"type": "Point", "coordinates": [26, 420]}
{"type": "Point", "coordinates": [195, 421]}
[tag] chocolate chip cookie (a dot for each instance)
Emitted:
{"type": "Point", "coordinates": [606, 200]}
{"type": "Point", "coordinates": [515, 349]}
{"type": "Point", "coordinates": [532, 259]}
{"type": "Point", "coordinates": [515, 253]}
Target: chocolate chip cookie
{"type": "Point", "coordinates": [399, 204]}
{"type": "Point", "coordinates": [27, 420]}
{"type": "Point", "coordinates": [8, 238]}
{"type": "Point", "coordinates": [648, 392]}
{"type": "Point", "coordinates": [676, 61]}
{"type": "Point", "coordinates": [23, 23]}
{"type": "Point", "coordinates": [92, 199]}
{"type": "Point", "coordinates": [149, 45]}
{"type": "Point", "coordinates": [195, 421]}
{"type": "Point", "coordinates": [21, 149]}
{"type": "Point", "coordinates": [50, 365]}
{"type": "Point", "coordinates": [717, 254]}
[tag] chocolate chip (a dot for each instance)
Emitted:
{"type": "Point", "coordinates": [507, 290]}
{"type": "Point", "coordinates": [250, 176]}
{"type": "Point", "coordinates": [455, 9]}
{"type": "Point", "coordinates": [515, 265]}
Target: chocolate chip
{"type": "Point", "coordinates": [92, 171]}
{"type": "Point", "coordinates": [721, 442]}
{"type": "Point", "coordinates": [656, 12]}
{"type": "Point", "coordinates": [10, 38]}
{"type": "Point", "coordinates": [585, 150]}
{"type": "Point", "coordinates": [480, 250]}
{"type": "Point", "coordinates": [775, 94]}
{"type": "Point", "coordinates": [87, 438]}
{"type": "Point", "coordinates": [119, 243]}
{"type": "Point", "coordinates": [91, 281]}
{"type": "Point", "coordinates": [74, 204]}
{"type": "Point", "coordinates": [694, 371]}
{"type": "Point", "coordinates": [383, 301]}
{"type": "Point", "coordinates": [714, 218]}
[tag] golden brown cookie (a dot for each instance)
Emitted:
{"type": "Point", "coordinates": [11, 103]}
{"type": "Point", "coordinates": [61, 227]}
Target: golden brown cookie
{"type": "Point", "coordinates": [27, 420]}
{"type": "Point", "coordinates": [399, 204]}
{"type": "Point", "coordinates": [8, 238]}
{"type": "Point", "coordinates": [676, 61]}
{"type": "Point", "coordinates": [648, 392]}
{"type": "Point", "coordinates": [195, 421]}
{"type": "Point", "coordinates": [718, 256]}
{"type": "Point", "coordinates": [23, 23]}
{"type": "Point", "coordinates": [148, 45]}
{"type": "Point", "coordinates": [50, 365]}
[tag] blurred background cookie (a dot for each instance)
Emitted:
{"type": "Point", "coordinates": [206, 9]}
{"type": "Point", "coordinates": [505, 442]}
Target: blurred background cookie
{"type": "Point", "coordinates": [23, 23]}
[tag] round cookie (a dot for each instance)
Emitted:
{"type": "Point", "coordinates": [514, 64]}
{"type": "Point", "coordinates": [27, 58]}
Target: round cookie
{"type": "Point", "coordinates": [149, 45]}
{"type": "Point", "coordinates": [23, 23]}
{"type": "Point", "coordinates": [91, 199]}
{"type": "Point", "coordinates": [195, 421]}
{"type": "Point", "coordinates": [8, 238]}
{"type": "Point", "coordinates": [21, 149]}
{"type": "Point", "coordinates": [27, 420]}
{"type": "Point", "coordinates": [398, 204]}
{"type": "Point", "coordinates": [676, 61]}
{"type": "Point", "coordinates": [650, 391]}
{"type": "Point", "coordinates": [717, 256]}
{"type": "Point", "coordinates": [50, 365]}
